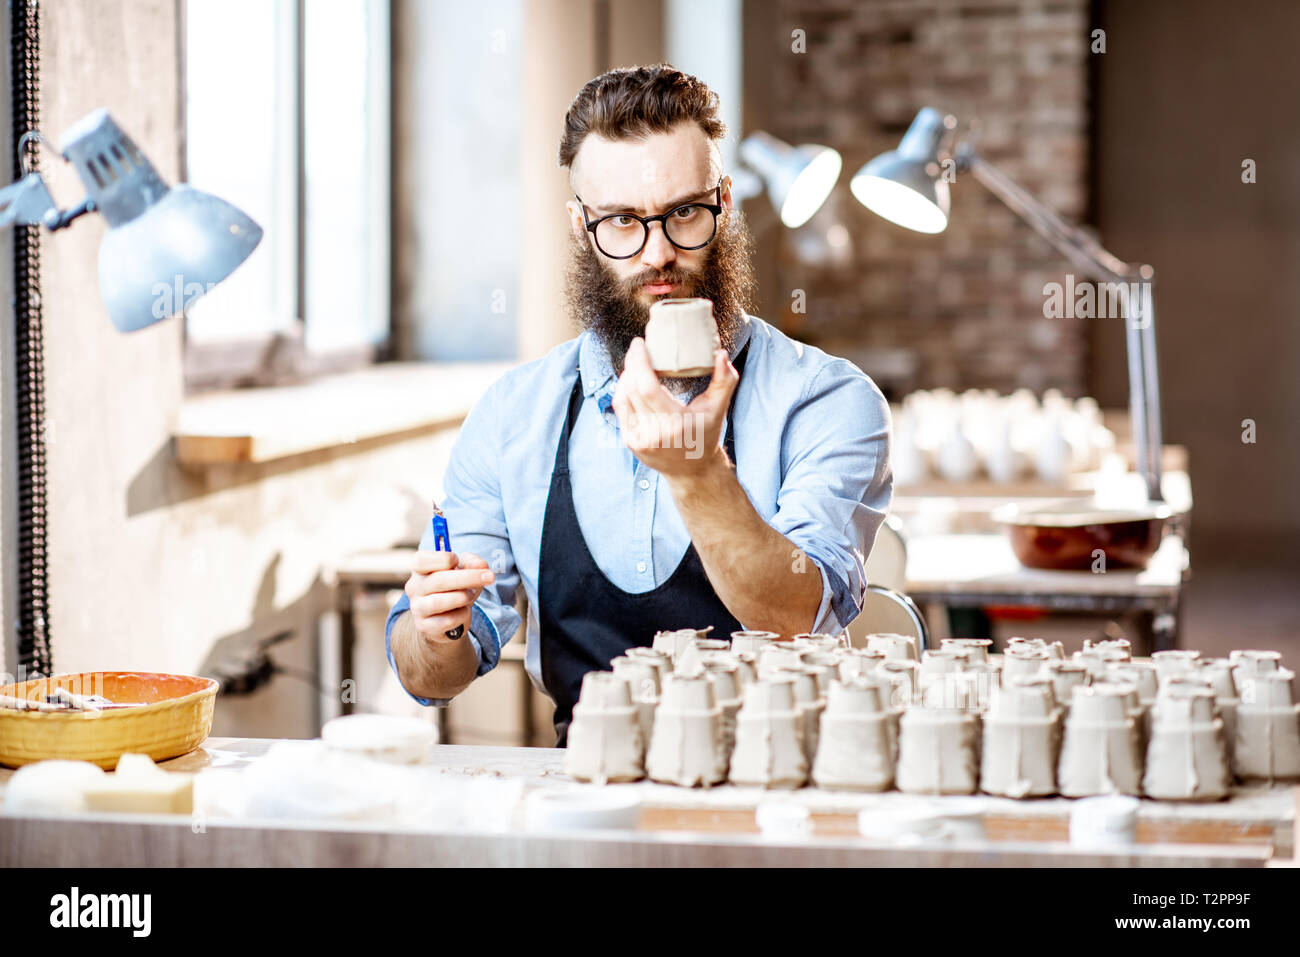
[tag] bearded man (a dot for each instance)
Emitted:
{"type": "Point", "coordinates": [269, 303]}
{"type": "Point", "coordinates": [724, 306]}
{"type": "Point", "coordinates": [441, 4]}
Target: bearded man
{"type": "Point", "coordinates": [624, 503]}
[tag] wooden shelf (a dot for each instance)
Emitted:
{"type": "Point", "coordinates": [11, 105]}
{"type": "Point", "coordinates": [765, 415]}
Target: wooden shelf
{"type": "Point", "coordinates": [242, 426]}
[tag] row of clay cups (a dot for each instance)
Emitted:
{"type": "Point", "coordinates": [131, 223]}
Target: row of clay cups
{"type": "Point", "coordinates": [854, 744]}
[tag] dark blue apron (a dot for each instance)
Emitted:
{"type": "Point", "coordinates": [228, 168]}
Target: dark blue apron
{"type": "Point", "coordinates": [586, 620]}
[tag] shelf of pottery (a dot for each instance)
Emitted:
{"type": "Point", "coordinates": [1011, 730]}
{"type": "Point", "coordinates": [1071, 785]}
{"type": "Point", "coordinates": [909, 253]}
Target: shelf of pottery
{"type": "Point", "coordinates": [1015, 443]}
{"type": "Point", "coordinates": [758, 711]}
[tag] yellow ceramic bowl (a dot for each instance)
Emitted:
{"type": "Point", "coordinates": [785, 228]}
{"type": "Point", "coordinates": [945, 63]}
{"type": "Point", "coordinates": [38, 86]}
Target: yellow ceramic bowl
{"type": "Point", "coordinates": [175, 719]}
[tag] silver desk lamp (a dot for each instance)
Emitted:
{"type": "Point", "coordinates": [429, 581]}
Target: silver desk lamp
{"type": "Point", "coordinates": [160, 237]}
{"type": "Point", "coordinates": [907, 186]}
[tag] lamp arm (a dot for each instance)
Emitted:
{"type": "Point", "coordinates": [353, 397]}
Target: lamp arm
{"type": "Point", "coordinates": [1093, 260]}
{"type": "Point", "coordinates": [1083, 251]}
{"type": "Point", "coordinates": [26, 203]}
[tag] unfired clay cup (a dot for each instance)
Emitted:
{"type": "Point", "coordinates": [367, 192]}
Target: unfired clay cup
{"type": "Point", "coordinates": [1186, 757]}
{"type": "Point", "coordinates": [686, 747]}
{"type": "Point", "coordinates": [1254, 661]}
{"type": "Point", "coordinates": [642, 677]}
{"type": "Point", "coordinates": [689, 659]}
{"type": "Point", "coordinates": [1021, 734]}
{"type": "Point", "coordinates": [752, 641]}
{"type": "Point", "coordinates": [605, 740]}
{"type": "Point", "coordinates": [1266, 735]}
{"type": "Point", "coordinates": [681, 336]}
{"type": "Point", "coordinates": [781, 654]}
{"type": "Point", "coordinates": [854, 747]}
{"type": "Point", "coordinates": [1101, 752]}
{"type": "Point", "coordinates": [977, 649]}
{"type": "Point", "coordinates": [1066, 676]}
{"type": "Point", "coordinates": [727, 689]}
{"type": "Point", "coordinates": [1174, 662]}
{"type": "Point", "coordinates": [1023, 660]}
{"type": "Point", "coordinates": [937, 751]}
{"type": "Point", "coordinates": [857, 662]}
{"type": "Point", "coordinates": [769, 750]}
{"type": "Point", "coordinates": [895, 647]}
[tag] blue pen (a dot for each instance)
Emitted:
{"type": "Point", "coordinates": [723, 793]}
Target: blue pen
{"type": "Point", "coordinates": [442, 543]}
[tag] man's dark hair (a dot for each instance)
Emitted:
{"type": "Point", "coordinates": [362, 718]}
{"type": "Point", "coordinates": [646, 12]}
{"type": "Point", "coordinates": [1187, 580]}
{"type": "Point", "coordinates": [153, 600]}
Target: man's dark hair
{"type": "Point", "coordinates": [634, 102]}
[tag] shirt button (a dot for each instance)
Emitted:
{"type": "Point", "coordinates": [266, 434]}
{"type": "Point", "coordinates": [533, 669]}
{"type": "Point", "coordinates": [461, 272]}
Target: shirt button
{"type": "Point", "coordinates": [644, 483]}
{"type": "Point", "coordinates": [640, 566]}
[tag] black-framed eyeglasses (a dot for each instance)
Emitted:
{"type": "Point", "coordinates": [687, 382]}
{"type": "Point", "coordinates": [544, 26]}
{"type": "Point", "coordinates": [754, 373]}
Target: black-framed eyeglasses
{"type": "Point", "coordinates": [624, 235]}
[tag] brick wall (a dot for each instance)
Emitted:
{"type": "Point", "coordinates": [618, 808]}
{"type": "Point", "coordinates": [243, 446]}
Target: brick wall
{"type": "Point", "coordinates": [967, 302]}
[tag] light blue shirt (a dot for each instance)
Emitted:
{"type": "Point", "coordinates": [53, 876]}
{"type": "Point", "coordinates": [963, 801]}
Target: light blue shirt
{"type": "Point", "coordinates": [812, 453]}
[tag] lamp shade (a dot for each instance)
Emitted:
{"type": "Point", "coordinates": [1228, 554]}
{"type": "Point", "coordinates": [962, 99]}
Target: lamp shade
{"type": "Point", "coordinates": [798, 178]}
{"type": "Point", "coordinates": [165, 245]}
{"type": "Point", "coordinates": [903, 185]}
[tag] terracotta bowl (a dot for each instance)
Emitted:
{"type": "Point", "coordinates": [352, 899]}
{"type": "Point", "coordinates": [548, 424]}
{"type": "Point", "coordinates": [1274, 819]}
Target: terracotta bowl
{"type": "Point", "coordinates": [1064, 535]}
{"type": "Point", "coordinates": [175, 719]}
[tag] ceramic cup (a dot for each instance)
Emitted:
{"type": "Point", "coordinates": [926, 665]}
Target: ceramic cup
{"type": "Point", "coordinates": [895, 647]}
{"type": "Point", "coordinates": [1020, 739]}
{"type": "Point", "coordinates": [1186, 756]}
{"type": "Point", "coordinates": [686, 746]}
{"type": "Point", "coordinates": [769, 751]}
{"type": "Point", "coordinates": [605, 738]}
{"type": "Point", "coordinates": [1266, 733]}
{"type": "Point", "coordinates": [1101, 750]}
{"type": "Point", "coordinates": [854, 747]}
{"type": "Point", "coordinates": [937, 751]}
{"type": "Point", "coordinates": [643, 680]}
{"type": "Point", "coordinates": [681, 336]}
{"type": "Point", "coordinates": [977, 649]}
{"type": "Point", "coordinates": [752, 641]}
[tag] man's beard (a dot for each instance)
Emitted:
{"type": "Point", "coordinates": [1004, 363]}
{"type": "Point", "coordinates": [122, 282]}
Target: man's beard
{"type": "Point", "coordinates": [612, 309]}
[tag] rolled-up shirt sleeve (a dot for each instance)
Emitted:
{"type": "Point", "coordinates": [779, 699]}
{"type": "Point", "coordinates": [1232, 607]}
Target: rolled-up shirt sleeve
{"type": "Point", "coordinates": [472, 506]}
{"type": "Point", "coordinates": [837, 484]}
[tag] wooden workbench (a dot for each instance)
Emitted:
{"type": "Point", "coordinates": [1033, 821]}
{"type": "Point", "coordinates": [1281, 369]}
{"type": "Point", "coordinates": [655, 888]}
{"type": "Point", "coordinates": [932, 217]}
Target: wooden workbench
{"type": "Point", "coordinates": [678, 827]}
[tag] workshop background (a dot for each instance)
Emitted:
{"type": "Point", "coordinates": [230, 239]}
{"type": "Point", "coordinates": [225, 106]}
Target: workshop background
{"type": "Point", "coordinates": [401, 156]}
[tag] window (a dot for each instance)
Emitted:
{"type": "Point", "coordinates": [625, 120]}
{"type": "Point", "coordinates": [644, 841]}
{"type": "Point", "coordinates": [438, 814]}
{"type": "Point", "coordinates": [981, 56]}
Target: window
{"type": "Point", "coordinates": [287, 116]}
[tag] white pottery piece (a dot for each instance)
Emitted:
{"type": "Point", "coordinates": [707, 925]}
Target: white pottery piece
{"type": "Point", "coordinates": [605, 739]}
{"type": "Point", "coordinates": [977, 649]}
{"type": "Point", "coordinates": [1100, 753]}
{"type": "Point", "coordinates": [853, 752]}
{"type": "Point", "coordinates": [769, 751]}
{"type": "Point", "coordinates": [895, 647]}
{"type": "Point", "coordinates": [1066, 676]}
{"type": "Point", "coordinates": [1023, 661]}
{"type": "Point", "coordinates": [778, 655]}
{"type": "Point", "coordinates": [1176, 662]}
{"type": "Point", "coordinates": [810, 705]}
{"type": "Point", "coordinates": [1021, 732]}
{"type": "Point", "coordinates": [727, 689]}
{"type": "Point", "coordinates": [681, 336]}
{"type": "Point", "coordinates": [752, 641]}
{"type": "Point", "coordinates": [1267, 733]}
{"type": "Point", "coordinates": [937, 751]}
{"type": "Point", "coordinates": [857, 662]}
{"type": "Point", "coordinates": [689, 658]}
{"type": "Point", "coordinates": [956, 459]}
{"type": "Point", "coordinates": [686, 747]}
{"type": "Point", "coordinates": [1141, 674]}
{"type": "Point", "coordinates": [1186, 757]}
{"type": "Point", "coordinates": [824, 668]}
{"type": "Point", "coordinates": [1107, 645]}
{"type": "Point", "coordinates": [673, 643]}
{"type": "Point", "coordinates": [642, 677]}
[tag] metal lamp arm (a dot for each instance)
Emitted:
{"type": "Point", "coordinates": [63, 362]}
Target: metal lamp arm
{"type": "Point", "coordinates": [1083, 251]}
{"type": "Point", "coordinates": [28, 203]}
{"type": "Point", "coordinates": [1092, 260]}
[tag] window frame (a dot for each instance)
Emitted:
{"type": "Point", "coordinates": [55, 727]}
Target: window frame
{"type": "Point", "coordinates": [281, 357]}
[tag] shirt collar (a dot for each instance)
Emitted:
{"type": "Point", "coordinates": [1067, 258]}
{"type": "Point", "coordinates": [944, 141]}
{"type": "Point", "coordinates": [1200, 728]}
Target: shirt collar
{"type": "Point", "coordinates": [597, 369]}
